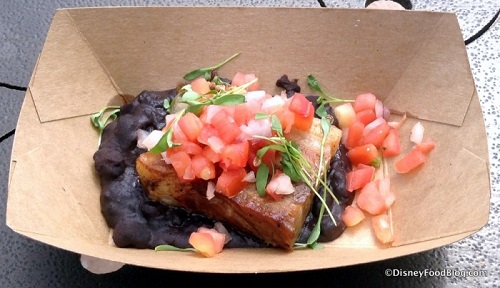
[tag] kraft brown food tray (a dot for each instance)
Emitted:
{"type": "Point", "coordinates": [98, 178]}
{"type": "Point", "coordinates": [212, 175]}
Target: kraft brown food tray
{"type": "Point", "coordinates": [418, 66]}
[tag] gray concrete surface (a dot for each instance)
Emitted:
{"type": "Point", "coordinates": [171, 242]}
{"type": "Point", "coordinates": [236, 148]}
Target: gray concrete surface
{"type": "Point", "coordinates": [26, 263]}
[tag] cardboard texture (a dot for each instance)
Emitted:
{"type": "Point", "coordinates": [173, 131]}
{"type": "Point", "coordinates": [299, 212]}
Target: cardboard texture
{"type": "Point", "coordinates": [415, 61]}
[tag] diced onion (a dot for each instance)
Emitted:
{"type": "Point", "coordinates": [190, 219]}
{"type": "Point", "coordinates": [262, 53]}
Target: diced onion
{"type": "Point", "coordinates": [281, 184]}
{"type": "Point", "coordinates": [345, 114]}
{"type": "Point", "coordinates": [165, 158]}
{"type": "Point", "coordinates": [221, 229]}
{"type": "Point", "coordinates": [141, 135]}
{"type": "Point", "coordinates": [397, 124]}
{"type": "Point", "coordinates": [259, 127]}
{"type": "Point", "coordinates": [210, 190]}
{"type": "Point", "coordinates": [258, 95]}
{"type": "Point", "coordinates": [372, 125]}
{"type": "Point", "coordinates": [417, 133]}
{"type": "Point", "coordinates": [379, 108]}
{"type": "Point", "coordinates": [152, 139]}
{"type": "Point", "coordinates": [250, 177]}
{"type": "Point", "coordinates": [273, 105]}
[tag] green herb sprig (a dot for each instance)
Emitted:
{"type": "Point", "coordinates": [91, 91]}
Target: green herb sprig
{"type": "Point", "coordinates": [166, 247]}
{"type": "Point", "coordinates": [294, 164]}
{"type": "Point", "coordinates": [104, 117]}
{"type": "Point", "coordinates": [324, 98]}
{"type": "Point", "coordinates": [166, 140]}
{"type": "Point", "coordinates": [207, 70]}
{"type": "Point", "coordinates": [196, 102]}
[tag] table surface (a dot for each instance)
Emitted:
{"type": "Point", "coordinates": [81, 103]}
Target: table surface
{"type": "Point", "coordinates": [27, 263]}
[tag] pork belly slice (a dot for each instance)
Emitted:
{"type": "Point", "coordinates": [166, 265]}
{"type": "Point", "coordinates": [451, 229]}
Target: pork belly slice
{"type": "Point", "coordinates": [278, 223]}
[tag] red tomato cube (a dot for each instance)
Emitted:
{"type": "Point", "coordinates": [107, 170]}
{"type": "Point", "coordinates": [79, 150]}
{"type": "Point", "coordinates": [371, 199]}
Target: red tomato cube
{"type": "Point", "coordinates": [230, 182]}
{"type": "Point", "coordinates": [364, 154]}
{"type": "Point", "coordinates": [191, 126]}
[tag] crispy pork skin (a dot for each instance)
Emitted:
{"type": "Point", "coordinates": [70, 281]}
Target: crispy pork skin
{"type": "Point", "coordinates": [278, 223]}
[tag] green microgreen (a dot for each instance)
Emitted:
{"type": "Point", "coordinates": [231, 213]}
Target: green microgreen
{"type": "Point", "coordinates": [196, 102]}
{"type": "Point", "coordinates": [261, 179]}
{"type": "Point", "coordinates": [166, 140]}
{"type": "Point", "coordinates": [207, 71]}
{"type": "Point", "coordinates": [103, 118]}
{"type": "Point", "coordinates": [166, 247]}
{"type": "Point", "coordinates": [324, 98]}
{"type": "Point", "coordinates": [293, 162]}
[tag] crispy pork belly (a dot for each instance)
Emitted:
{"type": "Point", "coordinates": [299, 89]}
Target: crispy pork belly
{"type": "Point", "coordinates": [278, 223]}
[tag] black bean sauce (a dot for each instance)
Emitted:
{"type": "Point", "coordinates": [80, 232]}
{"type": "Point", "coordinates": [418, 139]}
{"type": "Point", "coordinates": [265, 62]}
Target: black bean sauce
{"type": "Point", "coordinates": [140, 223]}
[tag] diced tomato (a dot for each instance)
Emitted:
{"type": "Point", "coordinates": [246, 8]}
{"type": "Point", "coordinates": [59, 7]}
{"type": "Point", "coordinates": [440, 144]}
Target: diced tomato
{"type": "Point", "coordinates": [268, 158]}
{"type": "Point", "coordinates": [365, 154]}
{"type": "Point", "coordinates": [206, 132]}
{"type": "Point", "coordinates": [190, 125]}
{"type": "Point", "coordinates": [391, 145]}
{"type": "Point", "coordinates": [382, 227]}
{"type": "Point", "coordinates": [242, 114]}
{"type": "Point", "coordinates": [203, 243]}
{"type": "Point", "coordinates": [234, 155]}
{"type": "Point", "coordinates": [231, 182]}
{"type": "Point", "coordinates": [182, 165]}
{"type": "Point", "coordinates": [304, 112]}
{"type": "Point", "coordinates": [274, 195]}
{"type": "Point", "coordinates": [202, 167]}
{"type": "Point", "coordinates": [384, 187]}
{"type": "Point", "coordinates": [186, 146]}
{"type": "Point", "coordinates": [354, 135]}
{"type": "Point", "coordinates": [358, 178]}
{"type": "Point", "coordinates": [219, 238]}
{"type": "Point", "coordinates": [345, 114]}
{"type": "Point", "coordinates": [426, 146]}
{"type": "Point", "coordinates": [377, 135]}
{"type": "Point", "coordinates": [365, 101]}
{"type": "Point", "coordinates": [371, 200]}
{"type": "Point", "coordinates": [200, 85]}
{"type": "Point", "coordinates": [410, 161]}
{"type": "Point", "coordinates": [208, 242]}
{"type": "Point", "coordinates": [178, 135]}
{"type": "Point", "coordinates": [216, 144]}
{"type": "Point", "coordinates": [366, 116]}
{"type": "Point", "coordinates": [226, 127]}
{"type": "Point", "coordinates": [300, 105]}
{"type": "Point", "coordinates": [287, 119]}
{"type": "Point", "coordinates": [352, 216]}
{"type": "Point", "coordinates": [210, 154]}
{"type": "Point", "coordinates": [241, 78]}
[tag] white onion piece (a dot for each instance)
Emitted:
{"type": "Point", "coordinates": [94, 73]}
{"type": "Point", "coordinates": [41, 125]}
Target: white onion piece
{"type": "Point", "coordinates": [141, 135]}
{"type": "Point", "coordinates": [165, 158]}
{"type": "Point", "coordinates": [397, 124]}
{"type": "Point", "coordinates": [387, 113]}
{"type": "Point", "coordinates": [379, 109]}
{"type": "Point", "coordinates": [250, 177]}
{"type": "Point", "coordinates": [345, 133]}
{"type": "Point", "coordinates": [210, 190]}
{"type": "Point", "coordinates": [281, 184]}
{"type": "Point", "coordinates": [345, 114]}
{"type": "Point", "coordinates": [260, 127]}
{"type": "Point", "coordinates": [372, 125]}
{"type": "Point", "coordinates": [169, 118]}
{"type": "Point", "coordinates": [221, 229]}
{"type": "Point", "coordinates": [211, 111]}
{"type": "Point", "coordinates": [417, 133]}
{"type": "Point", "coordinates": [152, 139]}
{"type": "Point", "coordinates": [258, 95]}
{"type": "Point", "coordinates": [273, 105]}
